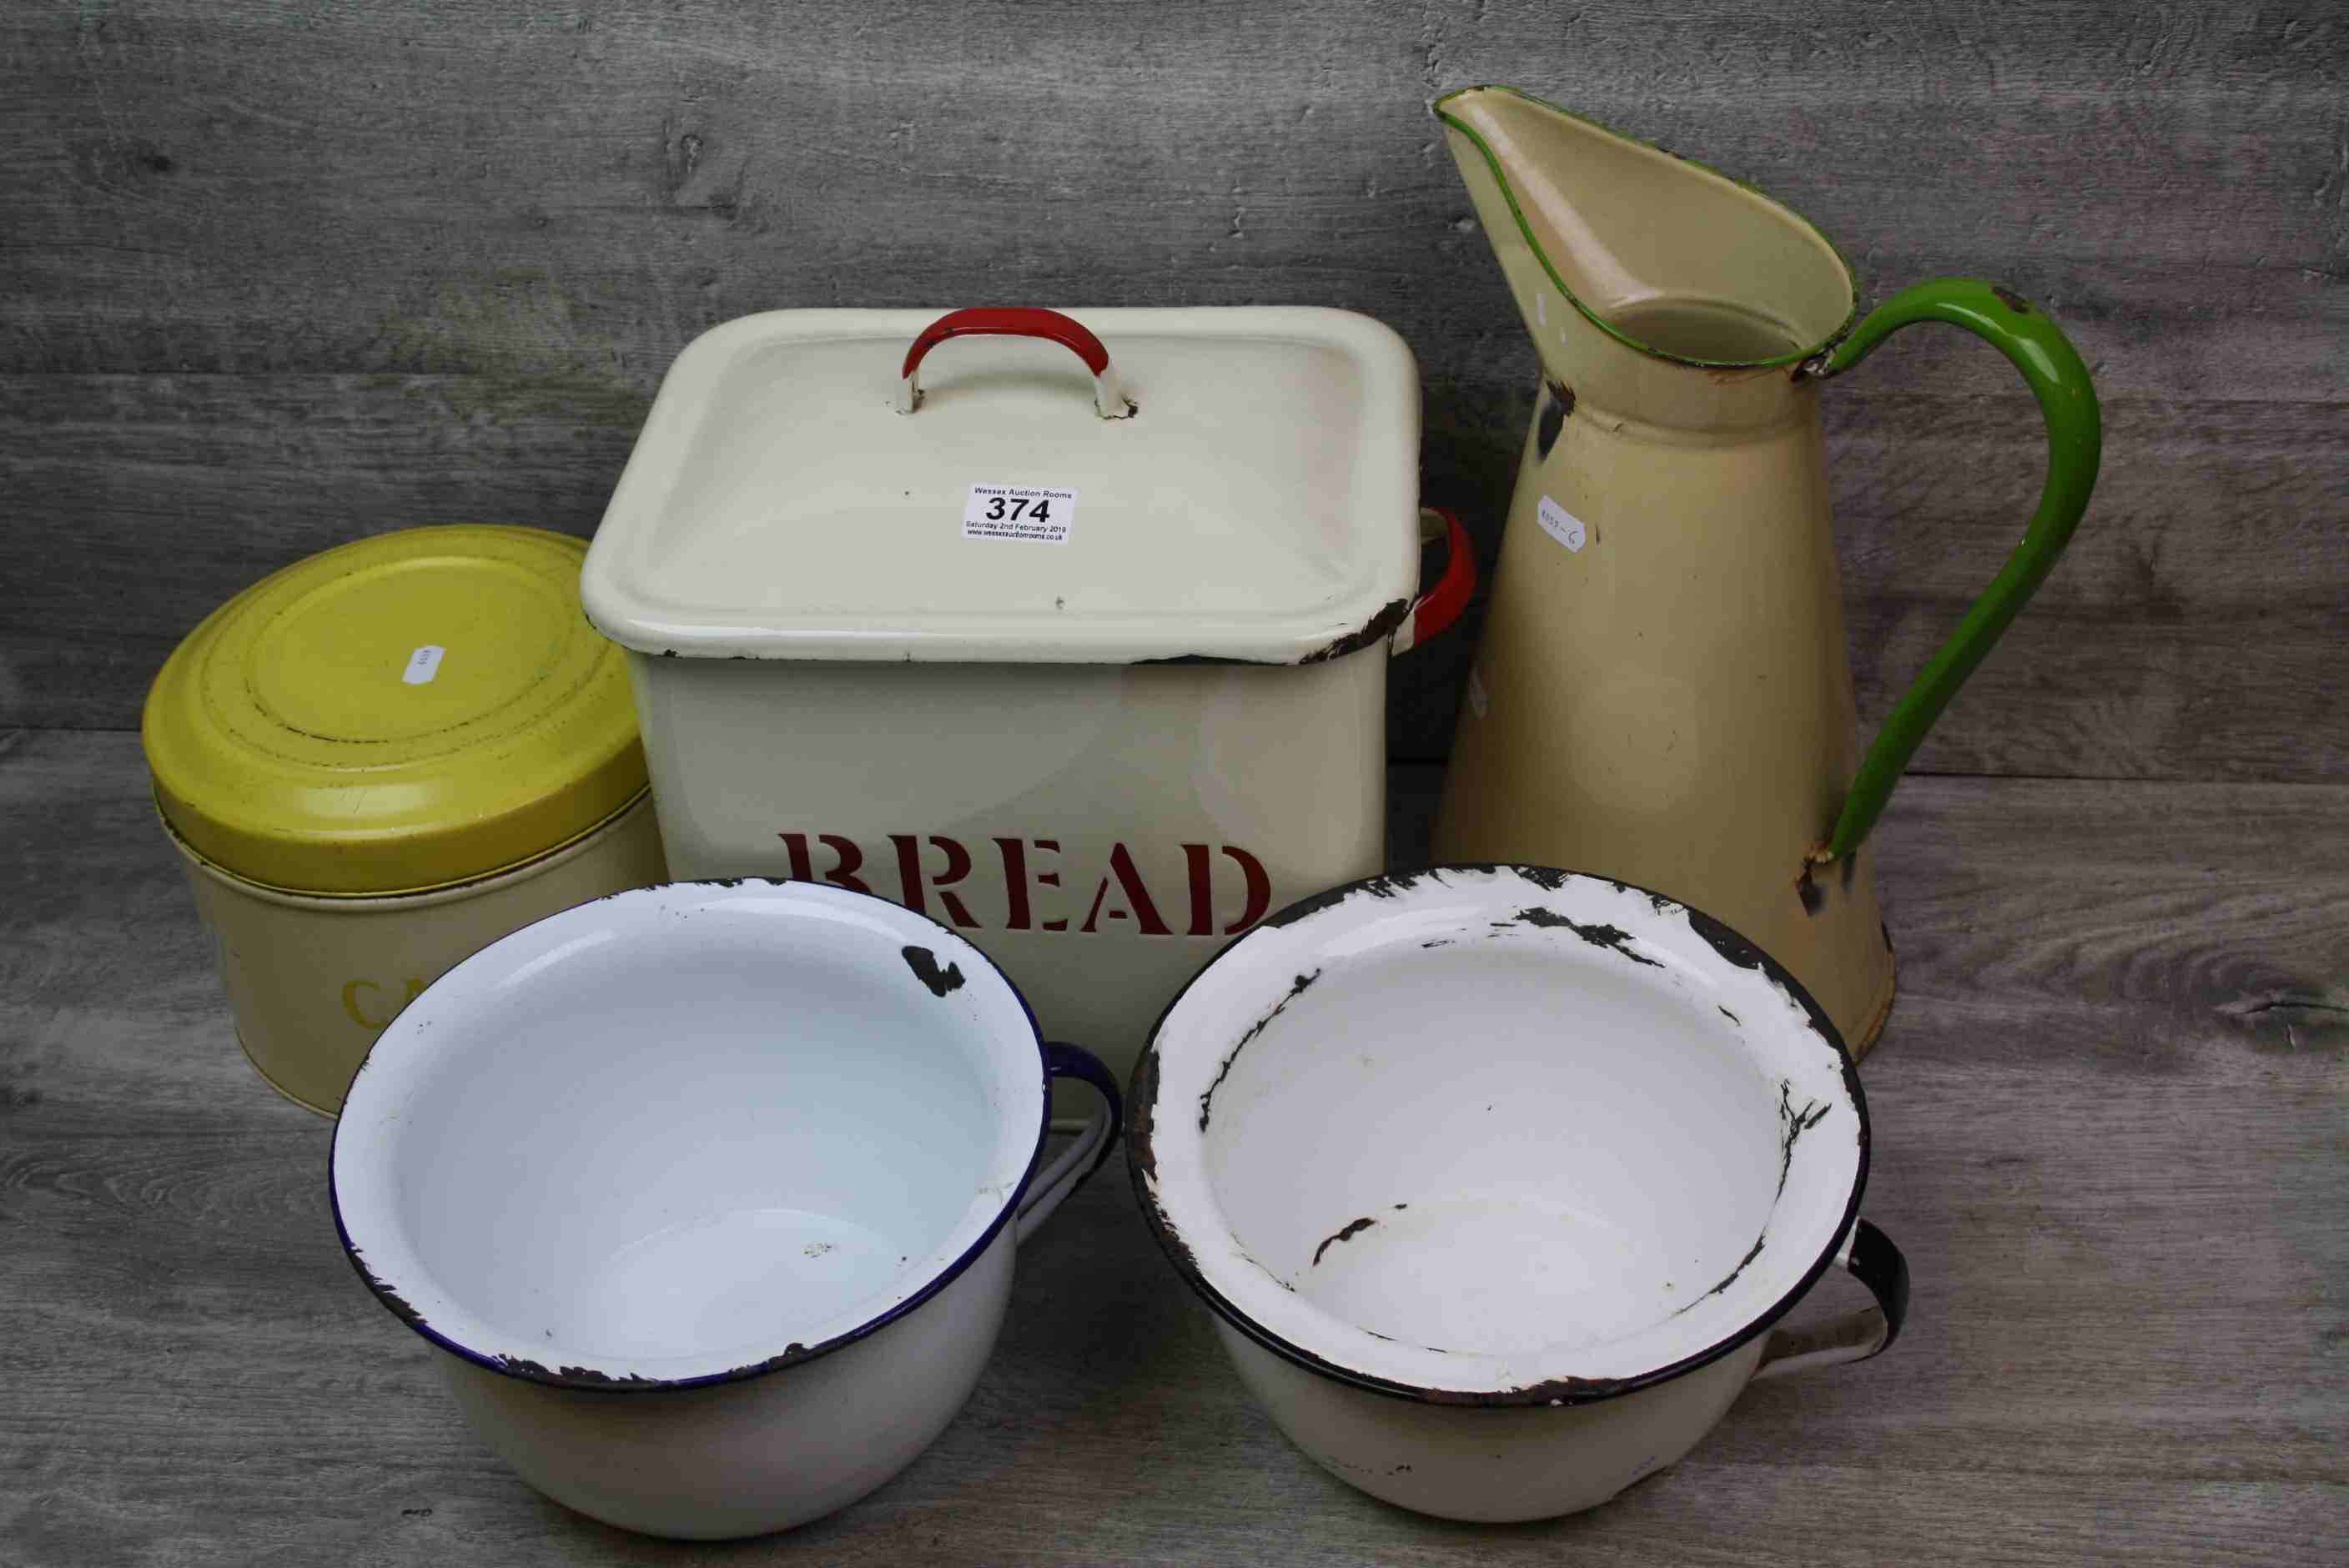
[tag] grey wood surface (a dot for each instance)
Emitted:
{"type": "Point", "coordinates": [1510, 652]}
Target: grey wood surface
{"type": "Point", "coordinates": [278, 274]}
{"type": "Point", "coordinates": [2112, 1134]}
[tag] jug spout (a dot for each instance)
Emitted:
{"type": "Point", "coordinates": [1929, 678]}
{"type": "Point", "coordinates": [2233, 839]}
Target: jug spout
{"type": "Point", "coordinates": [1620, 252]}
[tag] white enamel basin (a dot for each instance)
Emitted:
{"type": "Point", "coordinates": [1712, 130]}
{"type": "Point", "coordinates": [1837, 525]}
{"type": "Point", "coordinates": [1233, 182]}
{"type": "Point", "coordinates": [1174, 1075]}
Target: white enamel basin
{"type": "Point", "coordinates": [1495, 1139]}
{"type": "Point", "coordinates": [748, 1157]}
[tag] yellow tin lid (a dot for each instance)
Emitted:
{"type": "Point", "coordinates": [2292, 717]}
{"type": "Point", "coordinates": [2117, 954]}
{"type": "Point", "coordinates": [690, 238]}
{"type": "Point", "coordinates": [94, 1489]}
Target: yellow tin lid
{"type": "Point", "coordinates": [397, 714]}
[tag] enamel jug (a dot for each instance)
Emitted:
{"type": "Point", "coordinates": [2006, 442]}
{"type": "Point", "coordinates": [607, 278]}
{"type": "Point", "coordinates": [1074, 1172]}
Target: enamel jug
{"type": "Point", "coordinates": [1663, 695]}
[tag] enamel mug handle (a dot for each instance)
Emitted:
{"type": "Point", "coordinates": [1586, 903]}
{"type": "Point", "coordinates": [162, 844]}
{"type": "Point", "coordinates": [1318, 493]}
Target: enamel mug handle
{"type": "Point", "coordinates": [1110, 400]}
{"type": "Point", "coordinates": [1076, 1163]}
{"type": "Point", "coordinates": [2051, 368]}
{"type": "Point", "coordinates": [1435, 610]}
{"type": "Point", "coordinates": [1876, 1263]}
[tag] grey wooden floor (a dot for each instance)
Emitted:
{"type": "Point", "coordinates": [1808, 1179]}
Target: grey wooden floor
{"type": "Point", "coordinates": [2112, 1119]}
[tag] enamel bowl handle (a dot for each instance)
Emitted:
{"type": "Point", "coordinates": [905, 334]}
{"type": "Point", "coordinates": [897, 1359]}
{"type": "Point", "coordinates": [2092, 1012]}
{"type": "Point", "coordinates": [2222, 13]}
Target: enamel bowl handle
{"type": "Point", "coordinates": [1876, 1263]}
{"type": "Point", "coordinates": [1074, 1165]}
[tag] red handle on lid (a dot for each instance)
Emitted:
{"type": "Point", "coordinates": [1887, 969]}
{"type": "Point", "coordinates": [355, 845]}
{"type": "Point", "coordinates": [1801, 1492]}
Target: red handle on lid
{"type": "Point", "coordinates": [1018, 321]}
{"type": "Point", "coordinates": [1010, 321]}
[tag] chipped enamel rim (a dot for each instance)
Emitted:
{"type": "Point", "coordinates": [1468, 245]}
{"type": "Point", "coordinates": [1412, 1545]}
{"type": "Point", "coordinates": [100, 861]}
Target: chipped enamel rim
{"type": "Point", "coordinates": [1599, 922]}
{"type": "Point", "coordinates": [365, 1218]}
{"type": "Point", "coordinates": [1798, 357]}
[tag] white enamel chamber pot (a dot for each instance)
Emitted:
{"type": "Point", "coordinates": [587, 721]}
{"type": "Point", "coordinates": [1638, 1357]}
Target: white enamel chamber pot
{"type": "Point", "coordinates": [710, 1192]}
{"type": "Point", "coordinates": [1497, 1178]}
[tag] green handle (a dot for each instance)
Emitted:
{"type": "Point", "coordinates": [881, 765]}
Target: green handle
{"type": "Point", "coordinates": [2075, 439]}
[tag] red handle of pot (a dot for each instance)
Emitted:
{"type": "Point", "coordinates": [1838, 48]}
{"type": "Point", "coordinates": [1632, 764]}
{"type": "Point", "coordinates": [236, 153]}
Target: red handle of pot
{"type": "Point", "coordinates": [1110, 400]}
{"type": "Point", "coordinates": [1435, 610]}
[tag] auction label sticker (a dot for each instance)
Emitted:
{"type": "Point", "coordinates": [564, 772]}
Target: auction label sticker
{"type": "Point", "coordinates": [423, 664]}
{"type": "Point", "coordinates": [1040, 514]}
{"type": "Point", "coordinates": [1562, 525]}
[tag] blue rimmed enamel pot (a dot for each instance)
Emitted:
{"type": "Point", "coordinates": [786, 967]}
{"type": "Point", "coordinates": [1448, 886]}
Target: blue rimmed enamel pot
{"type": "Point", "coordinates": [709, 1193]}
{"type": "Point", "coordinates": [1498, 1181]}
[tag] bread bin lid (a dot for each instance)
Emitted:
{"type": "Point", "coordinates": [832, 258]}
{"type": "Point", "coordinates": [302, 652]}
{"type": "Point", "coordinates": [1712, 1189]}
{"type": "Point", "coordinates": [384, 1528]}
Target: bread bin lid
{"type": "Point", "coordinates": [408, 711]}
{"type": "Point", "coordinates": [1229, 484]}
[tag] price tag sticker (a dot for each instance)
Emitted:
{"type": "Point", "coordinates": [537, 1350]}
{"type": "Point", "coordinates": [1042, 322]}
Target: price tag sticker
{"type": "Point", "coordinates": [1040, 514]}
{"type": "Point", "coordinates": [1563, 525]}
{"type": "Point", "coordinates": [423, 664]}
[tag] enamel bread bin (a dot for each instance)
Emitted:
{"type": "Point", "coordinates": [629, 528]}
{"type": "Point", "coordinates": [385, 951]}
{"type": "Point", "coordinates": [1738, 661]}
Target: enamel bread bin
{"type": "Point", "coordinates": [1073, 637]}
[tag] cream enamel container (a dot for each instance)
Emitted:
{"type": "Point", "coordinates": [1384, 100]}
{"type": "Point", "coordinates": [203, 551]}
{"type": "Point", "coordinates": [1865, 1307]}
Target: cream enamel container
{"type": "Point", "coordinates": [381, 758]}
{"type": "Point", "coordinates": [1663, 690]}
{"type": "Point", "coordinates": [1069, 630]}
{"type": "Point", "coordinates": [1498, 1181]}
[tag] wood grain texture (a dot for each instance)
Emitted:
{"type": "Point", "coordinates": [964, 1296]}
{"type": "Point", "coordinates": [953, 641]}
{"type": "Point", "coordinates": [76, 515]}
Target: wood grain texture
{"type": "Point", "coordinates": [2110, 1137]}
{"type": "Point", "coordinates": [491, 188]}
{"type": "Point", "coordinates": [279, 274]}
{"type": "Point", "coordinates": [2171, 643]}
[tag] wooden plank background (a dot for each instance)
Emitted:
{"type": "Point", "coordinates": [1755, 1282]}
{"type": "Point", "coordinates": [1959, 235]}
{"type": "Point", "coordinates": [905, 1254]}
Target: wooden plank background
{"type": "Point", "coordinates": [274, 275]}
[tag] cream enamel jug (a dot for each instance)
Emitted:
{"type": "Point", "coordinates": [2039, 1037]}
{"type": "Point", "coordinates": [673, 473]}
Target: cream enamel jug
{"type": "Point", "coordinates": [1662, 694]}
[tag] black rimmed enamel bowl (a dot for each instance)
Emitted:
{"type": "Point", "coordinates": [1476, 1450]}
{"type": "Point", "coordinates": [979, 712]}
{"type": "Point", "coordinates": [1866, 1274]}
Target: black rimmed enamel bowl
{"type": "Point", "coordinates": [709, 1192]}
{"type": "Point", "coordinates": [1497, 1179]}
